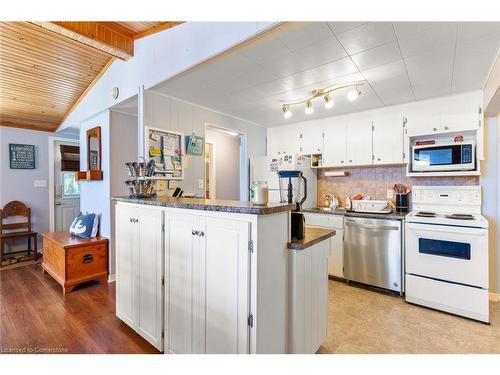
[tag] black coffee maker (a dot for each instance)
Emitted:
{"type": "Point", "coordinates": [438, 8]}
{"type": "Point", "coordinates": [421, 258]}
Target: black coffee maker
{"type": "Point", "coordinates": [290, 192]}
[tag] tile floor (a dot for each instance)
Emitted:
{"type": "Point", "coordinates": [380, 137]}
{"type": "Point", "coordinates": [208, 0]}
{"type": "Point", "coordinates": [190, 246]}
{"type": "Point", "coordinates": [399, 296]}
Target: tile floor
{"type": "Point", "coordinates": [365, 321]}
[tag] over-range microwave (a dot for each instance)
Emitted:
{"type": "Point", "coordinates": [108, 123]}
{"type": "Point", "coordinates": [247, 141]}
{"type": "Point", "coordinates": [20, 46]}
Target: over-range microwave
{"type": "Point", "coordinates": [444, 157]}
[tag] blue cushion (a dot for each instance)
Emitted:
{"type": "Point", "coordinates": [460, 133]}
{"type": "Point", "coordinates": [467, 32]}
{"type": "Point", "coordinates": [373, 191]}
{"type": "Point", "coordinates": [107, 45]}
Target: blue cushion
{"type": "Point", "coordinates": [82, 225]}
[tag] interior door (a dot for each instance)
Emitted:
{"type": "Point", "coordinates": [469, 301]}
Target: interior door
{"type": "Point", "coordinates": [149, 276]}
{"type": "Point", "coordinates": [66, 192]}
{"type": "Point", "coordinates": [127, 234]}
{"type": "Point", "coordinates": [227, 276]}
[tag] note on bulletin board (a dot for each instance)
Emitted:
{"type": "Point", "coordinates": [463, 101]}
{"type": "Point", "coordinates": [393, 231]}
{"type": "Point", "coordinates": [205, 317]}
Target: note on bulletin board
{"type": "Point", "coordinates": [170, 144]}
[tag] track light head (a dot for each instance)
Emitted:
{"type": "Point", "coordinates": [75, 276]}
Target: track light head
{"type": "Point", "coordinates": [286, 111]}
{"type": "Point", "coordinates": [328, 101]}
{"type": "Point", "coordinates": [353, 94]}
{"type": "Point", "coordinates": [309, 108]}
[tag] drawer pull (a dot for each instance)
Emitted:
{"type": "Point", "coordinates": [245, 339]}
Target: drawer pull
{"type": "Point", "coordinates": [87, 258]}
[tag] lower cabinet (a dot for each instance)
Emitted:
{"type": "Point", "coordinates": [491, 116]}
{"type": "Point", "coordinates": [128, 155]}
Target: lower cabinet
{"type": "Point", "coordinates": [139, 271]}
{"type": "Point", "coordinates": [335, 260]}
{"type": "Point", "coordinates": [207, 268]}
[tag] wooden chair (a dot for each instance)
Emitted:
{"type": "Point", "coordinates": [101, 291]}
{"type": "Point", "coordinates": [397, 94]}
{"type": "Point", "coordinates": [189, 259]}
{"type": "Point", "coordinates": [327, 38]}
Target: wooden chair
{"type": "Point", "coordinates": [16, 230]}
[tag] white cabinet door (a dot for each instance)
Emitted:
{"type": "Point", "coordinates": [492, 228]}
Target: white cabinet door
{"type": "Point", "coordinates": [359, 140]}
{"type": "Point", "coordinates": [127, 235]}
{"type": "Point", "coordinates": [311, 140]}
{"type": "Point", "coordinates": [227, 285]}
{"type": "Point", "coordinates": [334, 141]}
{"type": "Point", "coordinates": [149, 276]}
{"type": "Point", "coordinates": [183, 308]}
{"type": "Point", "coordinates": [388, 138]}
{"type": "Point", "coordinates": [283, 141]}
{"type": "Point", "coordinates": [460, 112]}
{"type": "Point", "coordinates": [423, 118]}
{"type": "Point", "coordinates": [336, 259]}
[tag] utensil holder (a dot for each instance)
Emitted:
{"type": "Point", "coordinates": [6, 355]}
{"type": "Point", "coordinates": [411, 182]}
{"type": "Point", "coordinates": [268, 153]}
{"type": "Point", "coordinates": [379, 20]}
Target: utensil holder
{"type": "Point", "coordinates": [401, 203]}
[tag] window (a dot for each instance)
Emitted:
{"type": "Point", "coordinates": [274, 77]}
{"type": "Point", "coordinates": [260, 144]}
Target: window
{"type": "Point", "coordinates": [70, 185]}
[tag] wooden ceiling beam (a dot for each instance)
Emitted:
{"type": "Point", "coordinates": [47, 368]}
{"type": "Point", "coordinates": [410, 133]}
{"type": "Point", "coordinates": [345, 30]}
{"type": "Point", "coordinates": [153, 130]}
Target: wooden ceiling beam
{"type": "Point", "coordinates": [104, 36]}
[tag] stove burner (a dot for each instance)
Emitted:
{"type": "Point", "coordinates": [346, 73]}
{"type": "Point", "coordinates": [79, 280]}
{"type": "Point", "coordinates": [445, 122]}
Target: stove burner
{"type": "Point", "coordinates": [460, 217]}
{"type": "Point", "coordinates": [425, 214]}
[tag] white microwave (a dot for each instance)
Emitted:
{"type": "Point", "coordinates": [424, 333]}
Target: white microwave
{"type": "Point", "coordinates": [444, 157]}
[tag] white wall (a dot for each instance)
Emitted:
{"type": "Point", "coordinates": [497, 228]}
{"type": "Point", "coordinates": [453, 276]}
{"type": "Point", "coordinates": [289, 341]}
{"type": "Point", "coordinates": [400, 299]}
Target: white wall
{"type": "Point", "coordinates": [159, 57]}
{"type": "Point", "coordinates": [123, 148]}
{"type": "Point", "coordinates": [95, 195]}
{"type": "Point", "coordinates": [172, 114]}
{"type": "Point", "coordinates": [227, 162]}
{"type": "Point", "coordinates": [18, 184]}
{"type": "Point", "coordinates": [489, 180]}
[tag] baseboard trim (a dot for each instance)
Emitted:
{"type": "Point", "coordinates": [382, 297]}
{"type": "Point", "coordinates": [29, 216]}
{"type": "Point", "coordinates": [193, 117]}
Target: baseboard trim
{"type": "Point", "coordinates": [495, 297]}
{"type": "Point", "coordinates": [112, 278]}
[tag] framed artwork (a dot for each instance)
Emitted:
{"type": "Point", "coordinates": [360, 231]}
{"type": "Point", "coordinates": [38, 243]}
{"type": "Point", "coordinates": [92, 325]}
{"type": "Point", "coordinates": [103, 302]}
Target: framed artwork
{"type": "Point", "coordinates": [21, 156]}
{"type": "Point", "coordinates": [194, 145]}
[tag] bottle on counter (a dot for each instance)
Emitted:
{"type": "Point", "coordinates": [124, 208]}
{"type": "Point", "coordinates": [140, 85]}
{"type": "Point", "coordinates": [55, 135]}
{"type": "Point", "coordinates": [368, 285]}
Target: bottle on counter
{"type": "Point", "coordinates": [348, 203]}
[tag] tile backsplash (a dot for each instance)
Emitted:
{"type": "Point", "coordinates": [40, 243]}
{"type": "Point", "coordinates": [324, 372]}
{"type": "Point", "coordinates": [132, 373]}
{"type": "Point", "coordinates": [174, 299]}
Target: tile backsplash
{"type": "Point", "coordinates": [376, 180]}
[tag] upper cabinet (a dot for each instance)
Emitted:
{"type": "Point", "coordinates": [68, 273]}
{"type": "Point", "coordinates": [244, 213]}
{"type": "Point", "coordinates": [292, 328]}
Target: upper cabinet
{"type": "Point", "coordinates": [444, 115]}
{"type": "Point", "coordinates": [359, 140]}
{"type": "Point", "coordinates": [334, 143]}
{"type": "Point", "coordinates": [311, 138]}
{"type": "Point", "coordinates": [379, 136]}
{"type": "Point", "coordinates": [388, 138]}
{"type": "Point", "coordinates": [283, 140]}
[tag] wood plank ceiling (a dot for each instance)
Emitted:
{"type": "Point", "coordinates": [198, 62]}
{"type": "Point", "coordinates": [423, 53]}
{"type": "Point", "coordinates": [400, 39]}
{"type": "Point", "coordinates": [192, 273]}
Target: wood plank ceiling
{"type": "Point", "coordinates": [47, 67]}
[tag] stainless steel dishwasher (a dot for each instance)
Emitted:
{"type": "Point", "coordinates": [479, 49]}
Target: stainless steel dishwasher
{"type": "Point", "coordinates": [372, 252]}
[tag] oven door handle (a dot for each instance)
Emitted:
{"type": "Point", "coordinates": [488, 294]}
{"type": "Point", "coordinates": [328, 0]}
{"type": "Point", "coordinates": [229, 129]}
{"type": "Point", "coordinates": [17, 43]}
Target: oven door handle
{"type": "Point", "coordinates": [370, 227]}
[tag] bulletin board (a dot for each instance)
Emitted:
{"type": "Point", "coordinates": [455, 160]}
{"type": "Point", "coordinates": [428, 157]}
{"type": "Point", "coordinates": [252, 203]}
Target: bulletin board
{"type": "Point", "coordinates": [165, 147]}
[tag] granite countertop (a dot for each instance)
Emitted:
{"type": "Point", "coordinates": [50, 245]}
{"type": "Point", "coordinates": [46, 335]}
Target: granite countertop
{"type": "Point", "coordinates": [241, 207]}
{"type": "Point", "coordinates": [342, 211]}
{"type": "Point", "coordinates": [313, 235]}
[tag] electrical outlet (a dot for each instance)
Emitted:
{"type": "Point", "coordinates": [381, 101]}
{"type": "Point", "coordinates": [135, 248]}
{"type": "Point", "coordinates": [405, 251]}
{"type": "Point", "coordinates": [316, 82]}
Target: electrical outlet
{"type": "Point", "coordinates": [201, 184]}
{"type": "Point", "coordinates": [40, 183]}
{"type": "Point", "coordinates": [390, 193]}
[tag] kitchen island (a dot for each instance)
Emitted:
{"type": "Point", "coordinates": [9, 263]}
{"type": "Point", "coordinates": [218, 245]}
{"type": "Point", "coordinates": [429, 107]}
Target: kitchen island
{"type": "Point", "coordinates": [209, 276]}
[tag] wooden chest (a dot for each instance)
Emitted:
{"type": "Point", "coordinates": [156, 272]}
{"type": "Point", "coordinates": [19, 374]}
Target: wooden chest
{"type": "Point", "coordinates": [71, 260]}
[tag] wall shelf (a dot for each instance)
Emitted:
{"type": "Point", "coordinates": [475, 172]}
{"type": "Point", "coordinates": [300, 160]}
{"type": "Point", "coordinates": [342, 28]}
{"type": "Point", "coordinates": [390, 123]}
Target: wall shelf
{"type": "Point", "coordinates": [88, 175]}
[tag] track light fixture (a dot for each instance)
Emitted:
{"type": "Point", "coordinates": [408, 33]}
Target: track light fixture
{"type": "Point", "coordinates": [327, 97]}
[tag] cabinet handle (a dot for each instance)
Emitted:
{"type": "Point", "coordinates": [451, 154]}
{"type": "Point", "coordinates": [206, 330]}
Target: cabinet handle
{"type": "Point", "coordinates": [194, 232]}
{"type": "Point", "coordinates": [445, 128]}
{"type": "Point", "coordinates": [87, 258]}
{"type": "Point", "coordinates": [350, 161]}
{"type": "Point", "coordinates": [201, 233]}
{"type": "Point", "coordinates": [342, 161]}
{"type": "Point", "coordinates": [133, 220]}
{"type": "Point", "coordinates": [435, 129]}
{"type": "Point", "coordinates": [378, 159]}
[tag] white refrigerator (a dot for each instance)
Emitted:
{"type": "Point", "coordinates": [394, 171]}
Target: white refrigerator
{"type": "Point", "coordinates": [265, 168]}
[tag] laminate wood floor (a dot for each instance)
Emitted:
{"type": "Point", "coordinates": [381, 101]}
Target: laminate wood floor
{"type": "Point", "coordinates": [365, 321]}
{"type": "Point", "coordinates": [35, 317]}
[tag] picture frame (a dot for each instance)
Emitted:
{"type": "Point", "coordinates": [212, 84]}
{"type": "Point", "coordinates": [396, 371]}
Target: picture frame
{"type": "Point", "coordinates": [21, 156]}
{"type": "Point", "coordinates": [195, 145]}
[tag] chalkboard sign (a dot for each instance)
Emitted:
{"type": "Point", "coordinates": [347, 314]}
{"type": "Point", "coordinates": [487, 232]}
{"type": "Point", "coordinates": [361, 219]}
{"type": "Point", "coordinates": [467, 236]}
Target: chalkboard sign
{"type": "Point", "coordinates": [21, 156]}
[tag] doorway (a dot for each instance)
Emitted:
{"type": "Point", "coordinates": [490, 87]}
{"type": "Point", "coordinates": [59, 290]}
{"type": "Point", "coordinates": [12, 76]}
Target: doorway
{"type": "Point", "coordinates": [225, 164]}
{"type": "Point", "coordinates": [64, 189]}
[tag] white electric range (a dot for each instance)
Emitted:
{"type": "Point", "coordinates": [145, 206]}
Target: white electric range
{"type": "Point", "coordinates": [447, 251]}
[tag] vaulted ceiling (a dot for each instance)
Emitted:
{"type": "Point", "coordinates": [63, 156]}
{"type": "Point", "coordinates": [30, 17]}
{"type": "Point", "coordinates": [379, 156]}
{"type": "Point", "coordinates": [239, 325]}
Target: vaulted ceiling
{"type": "Point", "coordinates": [46, 67]}
{"type": "Point", "coordinates": [399, 62]}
